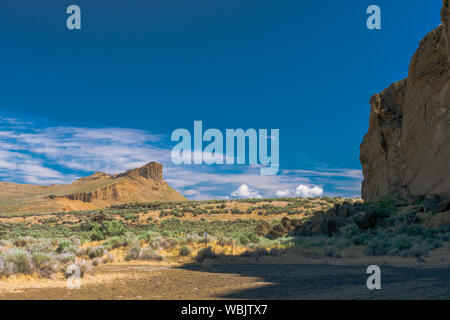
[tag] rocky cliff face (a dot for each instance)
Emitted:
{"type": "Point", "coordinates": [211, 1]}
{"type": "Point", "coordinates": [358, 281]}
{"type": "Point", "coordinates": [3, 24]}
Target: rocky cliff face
{"type": "Point", "coordinates": [406, 152]}
{"type": "Point", "coordinates": [101, 189]}
{"type": "Point", "coordinates": [112, 192]}
{"type": "Point", "coordinates": [152, 170]}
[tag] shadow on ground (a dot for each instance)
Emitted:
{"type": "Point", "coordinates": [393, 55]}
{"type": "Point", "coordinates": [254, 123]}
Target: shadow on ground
{"type": "Point", "coordinates": [322, 281]}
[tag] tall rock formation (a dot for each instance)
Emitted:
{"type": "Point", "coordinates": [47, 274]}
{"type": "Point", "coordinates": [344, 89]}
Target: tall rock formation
{"type": "Point", "coordinates": [406, 152]}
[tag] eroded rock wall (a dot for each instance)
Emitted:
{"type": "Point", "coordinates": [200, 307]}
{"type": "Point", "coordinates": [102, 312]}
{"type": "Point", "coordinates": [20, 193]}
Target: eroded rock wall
{"type": "Point", "coordinates": [406, 151]}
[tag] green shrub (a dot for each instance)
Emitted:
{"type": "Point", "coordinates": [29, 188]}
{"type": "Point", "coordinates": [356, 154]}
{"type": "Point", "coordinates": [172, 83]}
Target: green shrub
{"type": "Point", "coordinates": [206, 253]}
{"type": "Point", "coordinates": [41, 259]}
{"type": "Point", "coordinates": [63, 245]}
{"type": "Point", "coordinates": [248, 238]}
{"type": "Point", "coordinates": [185, 251]}
{"type": "Point", "coordinates": [106, 229]}
{"type": "Point", "coordinates": [134, 252]}
{"type": "Point", "coordinates": [116, 242]}
{"type": "Point", "coordinates": [378, 247]}
{"type": "Point", "coordinates": [402, 242]}
{"type": "Point", "coordinates": [350, 231]}
{"type": "Point", "coordinates": [150, 254]}
{"type": "Point", "coordinates": [96, 252]}
{"type": "Point", "coordinates": [66, 258]}
{"type": "Point", "coordinates": [112, 228]}
{"type": "Point", "coordinates": [21, 260]}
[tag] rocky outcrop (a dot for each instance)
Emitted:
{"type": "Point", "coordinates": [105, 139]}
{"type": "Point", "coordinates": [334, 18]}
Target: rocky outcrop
{"type": "Point", "coordinates": [152, 170]}
{"type": "Point", "coordinates": [365, 216]}
{"type": "Point", "coordinates": [111, 192]}
{"type": "Point", "coordinates": [140, 184]}
{"type": "Point", "coordinates": [406, 151]}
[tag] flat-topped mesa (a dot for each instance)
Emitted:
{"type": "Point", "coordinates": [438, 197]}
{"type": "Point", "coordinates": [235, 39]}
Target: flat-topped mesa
{"type": "Point", "coordinates": [95, 176]}
{"type": "Point", "coordinates": [152, 170]}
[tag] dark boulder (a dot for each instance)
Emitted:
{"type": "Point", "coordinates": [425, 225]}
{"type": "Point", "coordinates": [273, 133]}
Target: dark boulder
{"type": "Point", "coordinates": [347, 209]}
{"type": "Point", "coordinates": [432, 204]}
{"type": "Point", "coordinates": [364, 220]}
{"type": "Point", "coordinates": [332, 225]}
{"type": "Point", "coordinates": [277, 231]}
{"type": "Point", "coordinates": [262, 228]}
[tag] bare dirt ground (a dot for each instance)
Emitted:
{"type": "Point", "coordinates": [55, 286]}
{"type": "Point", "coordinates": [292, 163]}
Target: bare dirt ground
{"type": "Point", "coordinates": [243, 279]}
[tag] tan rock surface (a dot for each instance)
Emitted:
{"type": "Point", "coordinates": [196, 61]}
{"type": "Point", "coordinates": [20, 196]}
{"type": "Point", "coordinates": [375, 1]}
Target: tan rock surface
{"type": "Point", "coordinates": [406, 151]}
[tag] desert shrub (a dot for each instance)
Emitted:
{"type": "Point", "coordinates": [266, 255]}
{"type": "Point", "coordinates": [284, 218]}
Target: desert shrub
{"type": "Point", "coordinates": [327, 199]}
{"type": "Point", "coordinates": [150, 254]}
{"type": "Point", "coordinates": [248, 238]}
{"type": "Point", "coordinates": [108, 258]}
{"type": "Point", "coordinates": [7, 268]}
{"type": "Point", "coordinates": [130, 216]}
{"type": "Point", "coordinates": [43, 245]}
{"type": "Point", "coordinates": [94, 252]}
{"type": "Point", "coordinates": [96, 262]}
{"type": "Point", "coordinates": [134, 252]}
{"type": "Point", "coordinates": [21, 259]}
{"type": "Point", "coordinates": [223, 241]}
{"type": "Point", "coordinates": [66, 258]}
{"type": "Point", "coordinates": [350, 231]}
{"type": "Point", "coordinates": [417, 250]}
{"type": "Point", "coordinates": [85, 267]}
{"type": "Point", "coordinates": [162, 243]}
{"type": "Point", "coordinates": [40, 259]}
{"type": "Point", "coordinates": [116, 242]}
{"type": "Point", "coordinates": [106, 229]}
{"type": "Point", "coordinates": [206, 253]}
{"type": "Point", "coordinates": [378, 247]}
{"type": "Point", "coordinates": [433, 243]}
{"type": "Point", "coordinates": [402, 242]}
{"type": "Point", "coordinates": [44, 264]}
{"type": "Point", "coordinates": [184, 251]}
{"type": "Point", "coordinates": [193, 238]}
{"type": "Point", "coordinates": [63, 245]}
{"type": "Point", "coordinates": [147, 236]}
{"type": "Point", "coordinates": [112, 228]}
{"type": "Point", "coordinates": [24, 241]}
{"type": "Point", "coordinates": [383, 208]}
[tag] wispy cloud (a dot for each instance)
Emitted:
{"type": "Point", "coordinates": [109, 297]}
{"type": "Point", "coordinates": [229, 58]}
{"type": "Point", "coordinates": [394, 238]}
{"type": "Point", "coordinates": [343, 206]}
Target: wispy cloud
{"type": "Point", "coordinates": [61, 154]}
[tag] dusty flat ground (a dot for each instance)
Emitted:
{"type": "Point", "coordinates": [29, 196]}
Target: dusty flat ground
{"type": "Point", "coordinates": [253, 280]}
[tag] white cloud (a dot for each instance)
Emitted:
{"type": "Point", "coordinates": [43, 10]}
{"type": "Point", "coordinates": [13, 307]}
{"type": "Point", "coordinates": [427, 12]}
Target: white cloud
{"type": "Point", "coordinates": [190, 192]}
{"type": "Point", "coordinates": [307, 192]}
{"type": "Point", "coordinates": [245, 192]}
{"type": "Point", "coordinates": [283, 193]}
{"type": "Point", "coordinates": [62, 154]}
{"type": "Point", "coordinates": [40, 156]}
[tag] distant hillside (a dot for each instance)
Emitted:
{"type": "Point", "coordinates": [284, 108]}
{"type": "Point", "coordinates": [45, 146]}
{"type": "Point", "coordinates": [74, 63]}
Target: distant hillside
{"type": "Point", "coordinates": [96, 191]}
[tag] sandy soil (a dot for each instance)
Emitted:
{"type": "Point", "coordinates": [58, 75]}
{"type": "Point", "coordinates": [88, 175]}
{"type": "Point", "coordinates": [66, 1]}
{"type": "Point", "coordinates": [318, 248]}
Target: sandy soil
{"type": "Point", "coordinates": [286, 277]}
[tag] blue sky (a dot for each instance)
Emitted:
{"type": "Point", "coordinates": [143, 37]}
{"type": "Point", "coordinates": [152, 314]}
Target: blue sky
{"type": "Point", "coordinates": [107, 97]}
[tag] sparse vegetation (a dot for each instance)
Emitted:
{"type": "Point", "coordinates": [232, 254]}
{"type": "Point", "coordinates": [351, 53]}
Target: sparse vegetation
{"type": "Point", "coordinates": [251, 228]}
